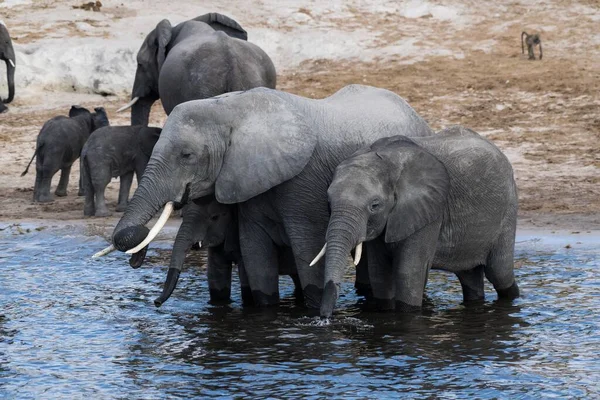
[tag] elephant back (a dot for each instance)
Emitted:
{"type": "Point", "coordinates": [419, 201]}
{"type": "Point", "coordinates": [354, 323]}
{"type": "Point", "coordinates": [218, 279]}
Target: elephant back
{"type": "Point", "coordinates": [220, 22]}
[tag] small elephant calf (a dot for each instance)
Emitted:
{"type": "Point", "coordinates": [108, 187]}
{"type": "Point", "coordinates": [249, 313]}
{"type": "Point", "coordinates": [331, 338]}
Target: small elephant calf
{"type": "Point", "coordinates": [215, 225]}
{"type": "Point", "coordinates": [447, 201]}
{"type": "Point", "coordinates": [59, 144]}
{"type": "Point", "coordinates": [114, 151]}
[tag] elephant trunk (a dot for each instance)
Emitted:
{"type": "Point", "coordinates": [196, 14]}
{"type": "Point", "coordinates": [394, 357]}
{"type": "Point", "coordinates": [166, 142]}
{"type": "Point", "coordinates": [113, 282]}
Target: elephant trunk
{"type": "Point", "coordinates": [146, 201]}
{"type": "Point", "coordinates": [140, 111]}
{"type": "Point", "coordinates": [346, 230]}
{"type": "Point", "coordinates": [10, 77]}
{"type": "Point", "coordinates": [183, 242]}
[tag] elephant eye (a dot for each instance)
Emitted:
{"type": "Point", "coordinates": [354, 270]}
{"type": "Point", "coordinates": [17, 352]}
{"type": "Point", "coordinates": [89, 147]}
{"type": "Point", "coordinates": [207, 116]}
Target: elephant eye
{"type": "Point", "coordinates": [375, 206]}
{"type": "Point", "coordinates": [188, 157]}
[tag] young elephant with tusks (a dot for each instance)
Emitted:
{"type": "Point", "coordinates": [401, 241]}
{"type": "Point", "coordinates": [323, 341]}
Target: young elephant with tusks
{"type": "Point", "coordinates": [447, 201]}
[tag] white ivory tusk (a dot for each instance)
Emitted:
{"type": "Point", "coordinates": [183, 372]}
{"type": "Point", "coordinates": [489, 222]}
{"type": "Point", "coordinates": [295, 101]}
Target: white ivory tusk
{"type": "Point", "coordinates": [104, 252]}
{"type": "Point", "coordinates": [12, 63]}
{"type": "Point", "coordinates": [357, 253]}
{"type": "Point", "coordinates": [200, 244]}
{"type": "Point", "coordinates": [320, 255]}
{"type": "Point", "coordinates": [126, 106]}
{"type": "Point", "coordinates": [162, 220]}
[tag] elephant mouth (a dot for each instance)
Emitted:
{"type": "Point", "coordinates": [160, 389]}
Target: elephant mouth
{"type": "Point", "coordinates": [177, 205]}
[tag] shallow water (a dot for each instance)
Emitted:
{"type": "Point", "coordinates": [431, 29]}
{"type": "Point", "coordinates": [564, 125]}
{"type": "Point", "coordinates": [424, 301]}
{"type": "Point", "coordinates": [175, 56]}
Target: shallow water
{"type": "Point", "coordinates": [72, 327]}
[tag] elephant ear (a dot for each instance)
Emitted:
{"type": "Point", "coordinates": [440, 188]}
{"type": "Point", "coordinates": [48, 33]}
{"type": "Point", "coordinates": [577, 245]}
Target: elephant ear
{"type": "Point", "coordinates": [270, 144]}
{"type": "Point", "coordinates": [421, 190]}
{"type": "Point", "coordinates": [220, 22]}
{"type": "Point", "coordinates": [78, 110]}
{"type": "Point", "coordinates": [163, 34]}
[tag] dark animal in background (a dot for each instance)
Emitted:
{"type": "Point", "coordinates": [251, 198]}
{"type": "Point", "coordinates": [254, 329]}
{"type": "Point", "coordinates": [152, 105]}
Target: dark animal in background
{"type": "Point", "coordinates": [531, 41]}
{"type": "Point", "coordinates": [7, 54]}
{"type": "Point", "coordinates": [59, 144]}
{"type": "Point", "coordinates": [110, 152]}
{"type": "Point", "coordinates": [197, 59]}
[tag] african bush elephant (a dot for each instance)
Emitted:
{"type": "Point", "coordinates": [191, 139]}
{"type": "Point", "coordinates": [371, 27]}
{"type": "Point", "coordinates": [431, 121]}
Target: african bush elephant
{"type": "Point", "coordinates": [110, 152]}
{"type": "Point", "coordinates": [197, 59]}
{"type": "Point", "coordinates": [7, 54]}
{"type": "Point", "coordinates": [447, 201]}
{"type": "Point", "coordinates": [272, 152]}
{"type": "Point", "coordinates": [59, 144]}
{"type": "Point", "coordinates": [215, 225]}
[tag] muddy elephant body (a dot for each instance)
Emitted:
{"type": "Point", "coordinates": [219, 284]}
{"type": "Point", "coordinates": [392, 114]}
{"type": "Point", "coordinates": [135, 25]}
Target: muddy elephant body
{"type": "Point", "coordinates": [110, 152]}
{"type": "Point", "coordinates": [59, 145]}
{"type": "Point", "coordinates": [447, 202]}
{"type": "Point", "coordinates": [196, 59]}
{"type": "Point", "coordinates": [274, 153]}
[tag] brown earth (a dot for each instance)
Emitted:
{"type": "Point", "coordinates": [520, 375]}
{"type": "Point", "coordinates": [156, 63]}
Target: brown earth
{"type": "Point", "coordinates": [545, 115]}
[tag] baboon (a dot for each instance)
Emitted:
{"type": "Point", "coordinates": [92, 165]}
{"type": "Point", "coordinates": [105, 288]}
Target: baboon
{"type": "Point", "coordinates": [531, 41]}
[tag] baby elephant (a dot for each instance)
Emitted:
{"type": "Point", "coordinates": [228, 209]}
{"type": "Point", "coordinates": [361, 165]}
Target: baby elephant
{"type": "Point", "coordinates": [110, 152]}
{"type": "Point", "coordinates": [215, 225]}
{"type": "Point", "coordinates": [447, 201]}
{"type": "Point", "coordinates": [59, 144]}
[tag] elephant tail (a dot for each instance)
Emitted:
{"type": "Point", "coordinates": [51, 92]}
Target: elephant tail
{"type": "Point", "coordinates": [30, 161]}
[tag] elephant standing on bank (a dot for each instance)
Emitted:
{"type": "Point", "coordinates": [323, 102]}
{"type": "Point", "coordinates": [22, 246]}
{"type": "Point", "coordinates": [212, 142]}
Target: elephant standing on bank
{"type": "Point", "coordinates": [59, 145]}
{"type": "Point", "coordinates": [7, 54]}
{"type": "Point", "coordinates": [110, 152]}
{"type": "Point", "coordinates": [196, 59]}
{"type": "Point", "coordinates": [447, 202]}
{"type": "Point", "coordinates": [275, 154]}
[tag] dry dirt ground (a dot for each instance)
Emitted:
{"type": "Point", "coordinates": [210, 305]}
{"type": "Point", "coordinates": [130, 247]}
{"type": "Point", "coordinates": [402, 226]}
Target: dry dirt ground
{"type": "Point", "coordinates": [545, 115]}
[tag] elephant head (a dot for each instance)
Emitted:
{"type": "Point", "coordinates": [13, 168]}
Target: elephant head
{"type": "Point", "coordinates": [97, 119]}
{"type": "Point", "coordinates": [205, 221]}
{"type": "Point", "coordinates": [7, 53]}
{"type": "Point", "coordinates": [152, 55]}
{"type": "Point", "coordinates": [236, 145]}
{"type": "Point", "coordinates": [394, 188]}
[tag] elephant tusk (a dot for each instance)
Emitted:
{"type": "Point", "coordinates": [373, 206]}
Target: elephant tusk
{"type": "Point", "coordinates": [104, 252]}
{"type": "Point", "coordinates": [12, 63]}
{"type": "Point", "coordinates": [200, 244]}
{"type": "Point", "coordinates": [126, 106]}
{"type": "Point", "coordinates": [357, 253]}
{"type": "Point", "coordinates": [320, 255]}
{"type": "Point", "coordinates": [162, 220]}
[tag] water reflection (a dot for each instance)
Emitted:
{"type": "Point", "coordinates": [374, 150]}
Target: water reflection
{"type": "Point", "coordinates": [72, 327]}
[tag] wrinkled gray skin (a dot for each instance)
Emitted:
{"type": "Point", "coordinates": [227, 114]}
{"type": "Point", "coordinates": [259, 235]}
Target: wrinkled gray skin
{"type": "Point", "coordinates": [59, 144]}
{"type": "Point", "coordinates": [7, 54]}
{"type": "Point", "coordinates": [215, 225]}
{"type": "Point", "coordinates": [273, 152]}
{"type": "Point", "coordinates": [196, 59]}
{"type": "Point", "coordinates": [447, 201]}
{"type": "Point", "coordinates": [110, 152]}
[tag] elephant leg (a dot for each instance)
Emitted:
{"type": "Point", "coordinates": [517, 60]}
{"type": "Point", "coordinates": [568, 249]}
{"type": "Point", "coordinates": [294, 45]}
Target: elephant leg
{"type": "Point", "coordinates": [43, 187]}
{"type": "Point", "coordinates": [61, 189]}
{"type": "Point", "coordinates": [260, 263]}
{"type": "Point", "coordinates": [125, 182]}
{"type": "Point", "coordinates": [499, 268]}
{"type": "Point", "coordinates": [380, 275]}
{"type": "Point", "coordinates": [362, 283]}
{"type": "Point", "coordinates": [247, 299]}
{"type": "Point", "coordinates": [472, 284]}
{"type": "Point", "coordinates": [81, 191]}
{"type": "Point", "coordinates": [219, 276]}
{"type": "Point", "coordinates": [99, 183]}
{"type": "Point", "coordinates": [412, 261]}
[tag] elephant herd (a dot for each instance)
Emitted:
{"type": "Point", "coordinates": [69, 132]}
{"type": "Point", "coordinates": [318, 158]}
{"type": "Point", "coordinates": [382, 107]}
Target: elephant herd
{"type": "Point", "coordinates": [276, 183]}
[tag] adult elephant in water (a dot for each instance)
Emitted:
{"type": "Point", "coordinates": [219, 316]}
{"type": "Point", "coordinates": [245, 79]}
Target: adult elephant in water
{"type": "Point", "coordinates": [275, 154]}
{"type": "Point", "coordinates": [7, 54]}
{"type": "Point", "coordinates": [196, 59]}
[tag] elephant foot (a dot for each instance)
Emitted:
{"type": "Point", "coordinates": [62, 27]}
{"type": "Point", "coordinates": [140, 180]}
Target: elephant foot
{"type": "Point", "coordinates": [121, 207]}
{"type": "Point", "coordinates": [247, 299]}
{"type": "Point", "coordinates": [45, 199]}
{"type": "Point", "coordinates": [510, 293]}
{"type": "Point", "coordinates": [265, 300]}
{"type": "Point", "coordinates": [402, 307]}
{"type": "Point", "coordinates": [102, 213]}
{"type": "Point", "coordinates": [312, 296]}
{"type": "Point", "coordinates": [220, 296]}
{"type": "Point", "coordinates": [88, 212]}
{"type": "Point", "coordinates": [61, 193]}
{"type": "Point", "coordinates": [80, 192]}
